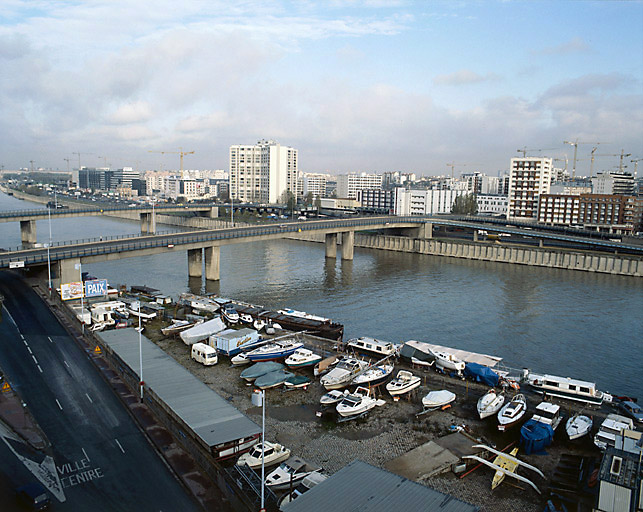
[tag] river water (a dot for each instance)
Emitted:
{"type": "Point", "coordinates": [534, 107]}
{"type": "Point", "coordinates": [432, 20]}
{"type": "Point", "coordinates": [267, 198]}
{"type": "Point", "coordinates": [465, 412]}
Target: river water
{"type": "Point", "coordinates": [582, 325]}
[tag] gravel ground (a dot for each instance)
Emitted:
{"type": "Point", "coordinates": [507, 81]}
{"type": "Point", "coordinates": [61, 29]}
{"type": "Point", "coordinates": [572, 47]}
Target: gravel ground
{"type": "Point", "coordinates": [387, 432]}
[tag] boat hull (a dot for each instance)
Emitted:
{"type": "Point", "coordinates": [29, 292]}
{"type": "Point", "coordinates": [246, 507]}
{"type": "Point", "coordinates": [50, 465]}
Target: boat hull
{"type": "Point", "coordinates": [567, 396]}
{"type": "Point", "coordinates": [402, 390]}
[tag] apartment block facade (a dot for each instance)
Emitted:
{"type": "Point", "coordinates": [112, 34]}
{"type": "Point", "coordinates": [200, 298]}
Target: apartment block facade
{"type": "Point", "coordinates": [529, 177]}
{"type": "Point", "coordinates": [349, 184]}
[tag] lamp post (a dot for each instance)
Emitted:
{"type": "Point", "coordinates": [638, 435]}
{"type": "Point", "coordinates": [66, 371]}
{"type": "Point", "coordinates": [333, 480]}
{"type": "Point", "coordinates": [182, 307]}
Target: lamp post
{"type": "Point", "coordinates": [79, 266]}
{"type": "Point", "coordinates": [48, 258]}
{"type": "Point", "coordinates": [259, 398]}
{"type": "Point", "coordinates": [140, 351]}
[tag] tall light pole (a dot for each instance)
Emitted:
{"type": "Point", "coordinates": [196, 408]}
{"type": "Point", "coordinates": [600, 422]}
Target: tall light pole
{"type": "Point", "coordinates": [140, 351]}
{"type": "Point", "coordinates": [48, 258]}
{"type": "Point", "coordinates": [79, 267]}
{"type": "Point", "coordinates": [257, 397]}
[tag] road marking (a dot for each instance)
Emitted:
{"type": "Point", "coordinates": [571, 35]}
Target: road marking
{"type": "Point", "coordinates": [34, 359]}
{"type": "Point", "coordinates": [50, 341]}
{"type": "Point", "coordinates": [89, 398]}
{"type": "Point", "coordinates": [29, 349]}
{"type": "Point", "coordinates": [11, 318]}
{"type": "Point", "coordinates": [67, 365]}
{"type": "Point", "coordinates": [39, 368]}
{"type": "Point", "coordinates": [85, 454]}
{"type": "Point", "coordinates": [61, 407]}
{"type": "Point", "coordinates": [25, 342]}
{"type": "Point", "coordinates": [119, 445]}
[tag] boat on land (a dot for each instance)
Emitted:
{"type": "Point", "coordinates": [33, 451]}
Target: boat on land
{"type": "Point", "coordinates": [403, 383]}
{"type": "Point", "coordinates": [490, 403]}
{"type": "Point", "coordinates": [245, 318]}
{"type": "Point", "coordinates": [568, 388]}
{"type": "Point", "coordinates": [273, 453]}
{"type": "Point", "coordinates": [374, 375]}
{"type": "Point", "coordinates": [306, 484]}
{"type": "Point", "coordinates": [343, 373]}
{"type": "Point", "coordinates": [420, 362]}
{"type": "Point", "coordinates": [198, 303]}
{"type": "Point", "coordinates": [259, 369]}
{"type": "Point", "coordinates": [437, 399]}
{"type": "Point", "coordinates": [548, 413]}
{"type": "Point", "coordinates": [202, 331]}
{"type": "Point", "coordinates": [258, 324]}
{"type": "Point", "coordinates": [325, 365]}
{"type": "Point", "coordinates": [273, 379]}
{"type": "Point", "coordinates": [290, 472]}
{"type": "Point", "coordinates": [333, 397]}
{"type": "Point", "coordinates": [448, 361]}
{"type": "Point", "coordinates": [611, 427]}
{"type": "Point", "coordinates": [578, 425]}
{"type": "Point", "coordinates": [240, 359]}
{"type": "Point", "coordinates": [178, 326]}
{"type": "Point", "coordinates": [356, 403]}
{"type": "Point", "coordinates": [372, 346]}
{"type": "Point", "coordinates": [512, 412]}
{"type": "Point", "coordinates": [229, 313]}
{"type": "Point", "coordinates": [301, 358]}
{"type": "Point", "coordinates": [278, 349]}
{"type": "Point", "coordinates": [297, 382]}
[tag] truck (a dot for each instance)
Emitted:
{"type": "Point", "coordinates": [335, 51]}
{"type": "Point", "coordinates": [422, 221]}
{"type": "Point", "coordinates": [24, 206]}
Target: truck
{"type": "Point", "coordinates": [232, 341]}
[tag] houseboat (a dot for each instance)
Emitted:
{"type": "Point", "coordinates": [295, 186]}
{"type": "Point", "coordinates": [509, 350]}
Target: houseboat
{"type": "Point", "coordinates": [368, 345]}
{"type": "Point", "coordinates": [568, 388]}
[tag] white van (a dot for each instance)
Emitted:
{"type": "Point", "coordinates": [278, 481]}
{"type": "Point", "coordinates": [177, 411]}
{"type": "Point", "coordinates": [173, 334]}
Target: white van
{"type": "Point", "coordinates": [204, 354]}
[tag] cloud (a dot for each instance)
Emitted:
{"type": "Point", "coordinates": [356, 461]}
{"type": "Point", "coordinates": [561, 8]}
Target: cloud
{"type": "Point", "coordinates": [463, 77]}
{"type": "Point", "coordinates": [130, 113]}
{"type": "Point", "coordinates": [575, 45]}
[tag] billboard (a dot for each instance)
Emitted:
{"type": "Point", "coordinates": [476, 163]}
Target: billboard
{"type": "Point", "coordinates": [69, 291]}
{"type": "Point", "coordinates": [96, 288]}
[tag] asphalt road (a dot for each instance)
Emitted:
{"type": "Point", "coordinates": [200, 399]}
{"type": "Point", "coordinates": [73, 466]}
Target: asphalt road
{"type": "Point", "coordinates": [101, 460]}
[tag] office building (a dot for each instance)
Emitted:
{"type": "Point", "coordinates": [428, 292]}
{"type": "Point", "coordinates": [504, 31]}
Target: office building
{"type": "Point", "coordinates": [425, 202]}
{"type": "Point", "coordinates": [377, 199]}
{"type": "Point", "coordinates": [349, 184]}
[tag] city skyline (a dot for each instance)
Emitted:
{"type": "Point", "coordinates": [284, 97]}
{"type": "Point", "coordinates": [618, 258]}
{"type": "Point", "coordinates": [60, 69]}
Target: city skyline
{"type": "Point", "coordinates": [353, 85]}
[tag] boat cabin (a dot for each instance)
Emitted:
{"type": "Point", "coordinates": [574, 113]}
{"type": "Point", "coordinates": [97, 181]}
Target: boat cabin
{"type": "Point", "coordinates": [566, 387]}
{"type": "Point", "coordinates": [372, 346]}
{"type": "Point", "coordinates": [547, 413]}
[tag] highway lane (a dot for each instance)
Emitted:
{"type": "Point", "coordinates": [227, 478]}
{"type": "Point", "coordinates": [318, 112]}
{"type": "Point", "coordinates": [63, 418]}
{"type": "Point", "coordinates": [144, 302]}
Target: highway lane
{"type": "Point", "coordinates": [102, 460]}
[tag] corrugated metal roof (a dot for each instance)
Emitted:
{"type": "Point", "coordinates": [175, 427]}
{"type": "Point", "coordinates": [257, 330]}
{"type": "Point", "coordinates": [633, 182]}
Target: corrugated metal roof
{"type": "Point", "coordinates": [209, 415]}
{"type": "Point", "coordinates": [365, 488]}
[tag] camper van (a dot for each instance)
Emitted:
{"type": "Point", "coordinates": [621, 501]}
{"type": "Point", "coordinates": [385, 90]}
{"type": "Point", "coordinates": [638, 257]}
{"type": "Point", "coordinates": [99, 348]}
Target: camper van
{"type": "Point", "coordinates": [204, 354]}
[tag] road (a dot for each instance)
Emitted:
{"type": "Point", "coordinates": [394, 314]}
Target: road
{"type": "Point", "coordinates": [101, 460]}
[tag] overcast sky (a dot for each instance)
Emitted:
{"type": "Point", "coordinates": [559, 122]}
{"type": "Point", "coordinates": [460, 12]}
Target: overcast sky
{"type": "Point", "coordinates": [354, 85]}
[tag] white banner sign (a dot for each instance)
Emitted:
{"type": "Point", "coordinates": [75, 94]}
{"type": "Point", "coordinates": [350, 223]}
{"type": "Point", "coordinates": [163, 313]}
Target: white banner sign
{"type": "Point", "coordinates": [69, 291]}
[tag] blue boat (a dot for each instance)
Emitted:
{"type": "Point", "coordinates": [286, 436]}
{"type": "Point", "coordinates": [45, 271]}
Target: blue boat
{"type": "Point", "coordinates": [535, 436]}
{"type": "Point", "coordinates": [273, 379]}
{"type": "Point", "coordinates": [275, 350]}
{"type": "Point", "coordinates": [259, 369]}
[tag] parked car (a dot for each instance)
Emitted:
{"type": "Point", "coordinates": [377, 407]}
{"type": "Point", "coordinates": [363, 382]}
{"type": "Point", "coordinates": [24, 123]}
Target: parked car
{"type": "Point", "coordinates": [632, 409]}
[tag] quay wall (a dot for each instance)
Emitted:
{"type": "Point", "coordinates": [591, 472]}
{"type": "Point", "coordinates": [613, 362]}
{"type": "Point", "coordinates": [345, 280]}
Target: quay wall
{"type": "Point", "coordinates": [497, 252]}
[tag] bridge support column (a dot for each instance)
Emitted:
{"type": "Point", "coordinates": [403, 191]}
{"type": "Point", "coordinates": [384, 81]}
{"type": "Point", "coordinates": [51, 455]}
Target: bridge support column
{"type": "Point", "coordinates": [28, 232]}
{"type": "Point", "coordinates": [428, 230]}
{"type": "Point", "coordinates": [475, 235]}
{"type": "Point", "coordinates": [66, 271]}
{"type": "Point", "coordinates": [541, 244]}
{"type": "Point", "coordinates": [331, 245]}
{"type": "Point", "coordinates": [348, 243]}
{"type": "Point", "coordinates": [212, 213]}
{"type": "Point", "coordinates": [195, 262]}
{"type": "Point", "coordinates": [212, 259]}
{"type": "Point", "coordinates": [145, 222]}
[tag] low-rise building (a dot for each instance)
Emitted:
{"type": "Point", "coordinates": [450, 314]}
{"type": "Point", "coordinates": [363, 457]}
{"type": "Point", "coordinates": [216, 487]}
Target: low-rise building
{"type": "Point", "coordinates": [425, 202]}
{"type": "Point", "coordinates": [492, 204]}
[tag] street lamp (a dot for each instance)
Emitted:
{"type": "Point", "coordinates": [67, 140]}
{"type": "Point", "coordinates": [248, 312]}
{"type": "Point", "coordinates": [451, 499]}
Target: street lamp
{"type": "Point", "coordinates": [79, 267]}
{"type": "Point", "coordinates": [140, 350]}
{"type": "Point", "coordinates": [259, 399]}
{"type": "Point", "coordinates": [48, 258]}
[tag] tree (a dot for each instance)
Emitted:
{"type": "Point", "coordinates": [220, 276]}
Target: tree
{"type": "Point", "coordinates": [318, 203]}
{"type": "Point", "coordinates": [308, 200]}
{"type": "Point", "coordinates": [465, 205]}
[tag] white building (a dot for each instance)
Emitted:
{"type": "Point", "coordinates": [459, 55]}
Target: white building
{"type": "Point", "coordinates": [314, 184]}
{"type": "Point", "coordinates": [492, 204]}
{"type": "Point", "coordinates": [528, 178]}
{"type": "Point", "coordinates": [349, 184]}
{"type": "Point", "coordinates": [263, 172]}
{"type": "Point", "coordinates": [613, 183]}
{"type": "Point", "coordinates": [425, 202]}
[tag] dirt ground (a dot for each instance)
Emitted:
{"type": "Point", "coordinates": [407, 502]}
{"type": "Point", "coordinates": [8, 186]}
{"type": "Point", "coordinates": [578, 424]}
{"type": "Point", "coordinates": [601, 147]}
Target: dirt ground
{"type": "Point", "coordinates": [387, 432]}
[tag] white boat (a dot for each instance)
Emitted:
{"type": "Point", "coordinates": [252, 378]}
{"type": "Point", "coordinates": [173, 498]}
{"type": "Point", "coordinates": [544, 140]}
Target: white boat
{"type": "Point", "coordinates": [303, 314]}
{"type": "Point", "coordinates": [578, 426]}
{"type": "Point", "coordinates": [240, 359]}
{"type": "Point", "coordinates": [374, 375]}
{"type": "Point", "coordinates": [202, 331]}
{"type": "Point", "coordinates": [369, 345]}
{"type": "Point", "coordinates": [258, 324]}
{"type": "Point", "coordinates": [178, 326]}
{"type": "Point", "coordinates": [306, 484]}
{"type": "Point", "coordinates": [245, 318]}
{"type": "Point", "coordinates": [277, 349]}
{"type": "Point", "coordinates": [229, 313]}
{"type": "Point", "coordinates": [566, 387]}
{"type": "Point", "coordinates": [274, 453]}
{"type": "Point", "coordinates": [358, 402]}
{"type": "Point", "coordinates": [343, 372]}
{"type": "Point", "coordinates": [611, 427]}
{"type": "Point", "coordinates": [325, 365]}
{"type": "Point", "coordinates": [301, 358]}
{"type": "Point", "coordinates": [198, 303]}
{"type": "Point", "coordinates": [548, 413]}
{"type": "Point", "coordinates": [403, 383]}
{"type": "Point", "coordinates": [333, 397]}
{"type": "Point", "coordinates": [290, 472]}
{"type": "Point", "coordinates": [490, 403]}
{"type": "Point", "coordinates": [436, 399]}
{"type": "Point", "coordinates": [512, 412]}
{"type": "Point", "coordinates": [419, 362]}
{"type": "Point", "coordinates": [448, 361]}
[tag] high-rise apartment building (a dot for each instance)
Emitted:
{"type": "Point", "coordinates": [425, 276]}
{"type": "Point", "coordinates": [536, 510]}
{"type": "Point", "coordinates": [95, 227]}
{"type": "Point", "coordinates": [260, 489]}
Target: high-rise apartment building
{"type": "Point", "coordinates": [349, 184]}
{"type": "Point", "coordinates": [263, 172]}
{"type": "Point", "coordinates": [613, 183]}
{"type": "Point", "coordinates": [529, 177]}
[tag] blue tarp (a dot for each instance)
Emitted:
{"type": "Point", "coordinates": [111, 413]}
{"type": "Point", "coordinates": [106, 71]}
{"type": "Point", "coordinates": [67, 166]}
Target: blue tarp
{"type": "Point", "coordinates": [535, 436]}
{"type": "Point", "coordinates": [481, 373]}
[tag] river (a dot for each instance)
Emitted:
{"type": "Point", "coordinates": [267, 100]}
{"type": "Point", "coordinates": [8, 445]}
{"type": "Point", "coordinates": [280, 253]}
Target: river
{"type": "Point", "coordinates": [577, 324]}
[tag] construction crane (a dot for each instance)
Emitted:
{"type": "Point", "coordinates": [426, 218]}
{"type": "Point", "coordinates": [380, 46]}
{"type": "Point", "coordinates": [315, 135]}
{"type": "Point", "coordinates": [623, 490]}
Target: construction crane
{"type": "Point", "coordinates": [67, 160]}
{"type": "Point", "coordinates": [621, 155]}
{"type": "Point", "coordinates": [180, 152]}
{"type": "Point", "coordinates": [524, 150]}
{"type": "Point", "coordinates": [575, 144]}
{"type": "Point", "coordinates": [105, 161]}
{"type": "Point", "coordinates": [453, 165]}
{"type": "Point", "coordinates": [636, 165]}
{"type": "Point", "coordinates": [78, 153]}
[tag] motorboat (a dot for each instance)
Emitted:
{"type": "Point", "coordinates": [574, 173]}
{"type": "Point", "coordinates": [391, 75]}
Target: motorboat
{"type": "Point", "coordinates": [403, 383]}
{"type": "Point", "coordinates": [240, 359]}
{"type": "Point", "coordinates": [333, 397]}
{"type": "Point", "coordinates": [275, 350]}
{"type": "Point", "coordinates": [369, 345]}
{"type": "Point", "coordinates": [325, 365]}
{"type": "Point", "coordinates": [198, 303]}
{"type": "Point", "coordinates": [178, 326]}
{"type": "Point", "coordinates": [290, 472]}
{"type": "Point", "coordinates": [611, 427]}
{"type": "Point", "coordinates": [549, 414]}
{"type": "Point", "coordinates": [296, 382]}
{"type": "Point", "coordinates": [258, 324]}
{"type": "Point", "coordinates": [356, 403]}
{"type": "Point", "coordinates": [490, 403]}
{"type": "Point", "coordinates": [259, 369]}
{"type": "Point", "coordinates": [229, 313]}
{"type": "Point", "coordinates": [374, 375]}
{"type": "Point", "coordinates": [568, 388]}
{"type": "Point", "coordinates": [437, 399]}
{"type": "Point", "coordinates": [245, 318]}
{"type": "Point", "coordinates": [578, 426]}
{"type": "Point", "coordinates": [448, 361]}
{"type": "Point", "coordinates": [303, 314]}
{"type": "Point", "coordinates": [202, 331]}
{"type": "Point", "coordinates": [512, 412]}
{"type": "Point", "coordinates": [273, 379]}
{"type": "Point", "coordinates": [301, 358]}
{"type": "Point", "coordinates": [343, 372]}
{"type": "Point", "coordinates": [420, 362]}
{"type": "Point", "coordinates": [306, 484]}
{"type": "Point", "coordinates": [273, 454]}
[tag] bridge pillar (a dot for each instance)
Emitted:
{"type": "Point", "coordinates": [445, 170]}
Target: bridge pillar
{"type": "Point", "coordinates": [541, 243]}
{"type": "Point", "coordinates": [28, 232]}
{"type": "Point", "coordinates": [212, 213]}
{"type": "Point", "coordinates": [331, 245]}
{"type": "Point", "coordinates": [475, 235]}
{"type": "Point", "coordinates": [195, 262]}
{"type": "Point", "coordinates": [145, 222]}
{"type": "Point", "coordinates": [66, 271]}
{"type": "Point", "coordinates": [212, 258]}
{"type": "Point", "coordinates": [428, 230]}
{"type": "Point", "coordinates": [348, 243]}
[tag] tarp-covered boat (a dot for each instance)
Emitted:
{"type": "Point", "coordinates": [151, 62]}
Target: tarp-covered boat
{"type": "Point", "coordinates": [202, 331]}
{"type": "Point", "coordinates": [535, 436]}
{"type": "Point", "coordinates": [259, 369]}
{"type": "Point", "coordinates": [481, 373]}
{"type": "Point", "coordinates": [273, 379]}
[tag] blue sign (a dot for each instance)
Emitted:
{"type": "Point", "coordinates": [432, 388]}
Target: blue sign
{"type": "Point", "coordinates": [96, 288]}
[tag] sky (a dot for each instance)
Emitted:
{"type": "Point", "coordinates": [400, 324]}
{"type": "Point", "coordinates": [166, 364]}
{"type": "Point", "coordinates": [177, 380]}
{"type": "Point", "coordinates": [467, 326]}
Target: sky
{"type": "Point", "coordinates": [354, 85]}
